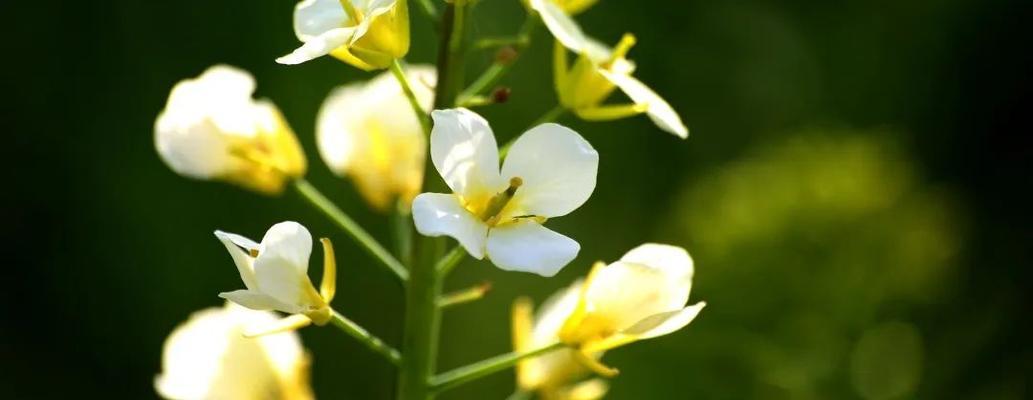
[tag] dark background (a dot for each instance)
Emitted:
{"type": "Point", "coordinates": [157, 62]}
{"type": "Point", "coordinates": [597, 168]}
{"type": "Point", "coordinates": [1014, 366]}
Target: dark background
{"type": "Point", "coordinates": [855, 194]}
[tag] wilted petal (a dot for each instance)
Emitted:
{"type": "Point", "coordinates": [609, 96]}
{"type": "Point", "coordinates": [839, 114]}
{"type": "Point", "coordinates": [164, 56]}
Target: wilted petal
{"type": "Point", "coordinates": [659, 111]}
{"type": "Point", "coordinates": [465, 153]}
{"type": "Point", "coordinates": [558, 169]}
{"type": "Point", "coordinates": [529, 247]}
{"type": "Point", "coordinates": [436, 214]}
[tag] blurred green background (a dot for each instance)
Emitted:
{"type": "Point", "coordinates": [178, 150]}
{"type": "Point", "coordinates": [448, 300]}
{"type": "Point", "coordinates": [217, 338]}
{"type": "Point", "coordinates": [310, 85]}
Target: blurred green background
{"type": "Point", "coordinates": [854, 191]}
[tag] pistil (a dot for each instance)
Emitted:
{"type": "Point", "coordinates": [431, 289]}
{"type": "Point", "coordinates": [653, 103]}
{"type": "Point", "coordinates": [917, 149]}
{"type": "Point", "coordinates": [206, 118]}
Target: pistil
{"type": "Point", "coordinates": [499, 201]}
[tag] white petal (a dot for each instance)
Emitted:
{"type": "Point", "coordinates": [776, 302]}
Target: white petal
{"type": "Point", "coordinates": [288, 242]}
{"type": "Point", "coordinates": [437, 214]}
{"type": "Point", "coordinates": [563, 28]}
{"type": "Point", "coordinates": [673, 262]}
{"type": "Point", "coordinates": [464, 152]}
{"type": "Point", "coordinates": [553, 313]}
{"type": "Point", "coordinates": [318, 46]}
{"type": "Point", "coordinates": [659, 111]}
{"type": "Point", "coordinates": [529, 247]}
{"type": "Point", "coordinates": [207, 357]}
{"type": "Point", "coordinates": [314, 17]}
{"type": "Point", "coordinates": [664, 323]}
{"type": "Point", "coordinates": [243, 260]}
{"type": "Point", "coordinates": [558, 168]}
{"type": "Point", "coordinates": [255, 300]}
{"type": "Point", "coordinates": [625, 293]}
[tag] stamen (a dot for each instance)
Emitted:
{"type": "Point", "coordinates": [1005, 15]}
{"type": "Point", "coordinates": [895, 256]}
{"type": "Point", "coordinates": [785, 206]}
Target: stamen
{"type": "Point", "coordinates": [498, 203]}
{"type": "Point", "coordinates": [625, 45]}
{"type": "Point", "coordinates": [253, 252]}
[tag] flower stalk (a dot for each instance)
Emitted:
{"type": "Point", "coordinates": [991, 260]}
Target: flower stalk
{"type": "Point", "coordinates": [399, 73]}
{"type": "Point", "coordinates": [363, 336]}
{"type": "Point", "coordinates": [486, 367]}
{"type": "Point", "coordinates": [498, 69]}
{"type": "Point", "coordinates": [350, 227]}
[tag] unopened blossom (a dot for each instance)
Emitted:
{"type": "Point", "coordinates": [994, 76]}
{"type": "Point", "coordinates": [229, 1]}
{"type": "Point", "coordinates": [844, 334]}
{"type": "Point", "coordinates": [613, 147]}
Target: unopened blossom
{"type": "Point", "coordinates": [597, 72]}
{"type": "Point", "coordinates": [558, 374]}
{"type": "Point", "coordinates": [275, 273]}
{"type": "Point", "coordinates": [368, 132]}
{"type": "Point", "coordinates": [550, 171]}
{"type": "Point", "coordinates": [212, 129]}
{"type": "Point", "coordinates": [208, 357]}
{"type": "Point", "coordinates": [368, 34]}
{"type": "Point", "coordinates": [642, 296]}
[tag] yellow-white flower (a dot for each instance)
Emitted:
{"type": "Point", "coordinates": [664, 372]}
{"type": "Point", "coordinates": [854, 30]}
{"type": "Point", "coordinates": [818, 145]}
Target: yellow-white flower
{"type": "Point", "coordinates": [549, 172]}
{"type": "Point", "coordinates": [368, 34]}
{"type": "Point", "coordinates": [211, 128]}
{"type": "Point", "coordinates": [598, 71]}
{"type": "Point", "coordinates": [641, 296]}
{"type": "Point", "coordinates": [571, 7]}
{"type": "Point", "coordinates": [559, 374]}
{"type": "Point", "coordinates": [275, 273]}
{"type": "Point", "coordinates": [368, 131]}
{"type": "Point", "coordinates": [207, 357]}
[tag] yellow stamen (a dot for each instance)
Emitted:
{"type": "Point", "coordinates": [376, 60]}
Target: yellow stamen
{"type": "Point", "coordinates": [499, 202]}
{"type": "Point", "coordinates": [625, 45]}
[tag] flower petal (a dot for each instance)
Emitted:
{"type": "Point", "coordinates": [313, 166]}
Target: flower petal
{"type": "Point", "coordinates": [287, 242]}
{"type": "Point", "coordinates": [243, 260]}
{"type": "Point", "coordinates": [464, 152]}
{"type": "Point", "coordinates": [664, 323]}
{"type": "Point", "coordinates": [563, 28]}
{"type": "Point", "coordinates": [558, 169]}
{"type": "Point", "coordinates": [671, 261]}
{"type": "Point", "coordinates": [659, 110]}
{"type": "Point", "coordinates": [314, 17]}
{"type": "Point", "coordinates": [255, 300]}
{"type": "Point", "coordinates": [527, 246]}
{"type": "Point", "coordinates": [318, 46]}
{"type": "Point", "coordinates": [624, 293]}
{"type": "Point", "coordinates": [437, 214]}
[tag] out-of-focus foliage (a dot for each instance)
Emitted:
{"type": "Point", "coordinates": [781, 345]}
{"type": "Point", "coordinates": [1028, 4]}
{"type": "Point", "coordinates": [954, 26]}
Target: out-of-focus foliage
{"type": "Point", "coordinates": [809, 245]}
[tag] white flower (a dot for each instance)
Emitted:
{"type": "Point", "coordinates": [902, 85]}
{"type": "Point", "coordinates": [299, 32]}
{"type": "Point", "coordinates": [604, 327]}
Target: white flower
{"type": "Point", "coordinates": [368, 131]}
{"type": "Point", "coordinates": [549, 172]}
{"type": "Point", "coordinates": [641, 296]}
{"type": "Point", "coordinates": [558, 374]}
{"type": "Point", "coordinates": [207, 357]}
{"type": "Point", "coordinates": [368, 34]}
{"type": "Point", "coordinates": [275, 273]}
{"type": "Point", "coordinates": [211, 128]}
{"type": "Point", "coordinates": [597, 72]}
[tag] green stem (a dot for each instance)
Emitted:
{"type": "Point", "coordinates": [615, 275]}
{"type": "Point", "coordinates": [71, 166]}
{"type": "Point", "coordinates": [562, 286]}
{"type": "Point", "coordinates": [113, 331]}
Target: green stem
{"type": "Point", "coordinates": [482, 368]}
{"type": "Point", "coordinates": [445, 264]}
{"type": "Point", "coordinates": [422, 326]}
{"type": "Point", "coordinates": [450, 54]}
{"type": "Point", "coordinates": [549, 116]}
{"type": "Point", "coordinates": [399, 73]}
{"type": "Point", "coordinates": [520, 395]}
{"type": "Point", "coordinates": [372, 342]}
{"type": "Point", "coordinates": [491, 76]}
{"type": "Point", "coordinates": [401, 226]}
{"type": "Point", "coordinates": [350, 227]}
{"type": "Point", "coordinates": [428, 8]}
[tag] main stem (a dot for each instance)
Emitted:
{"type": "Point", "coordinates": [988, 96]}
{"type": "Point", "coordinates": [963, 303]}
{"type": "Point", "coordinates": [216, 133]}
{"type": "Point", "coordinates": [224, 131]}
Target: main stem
{"type": "Point", "coordinates": [422, 312]}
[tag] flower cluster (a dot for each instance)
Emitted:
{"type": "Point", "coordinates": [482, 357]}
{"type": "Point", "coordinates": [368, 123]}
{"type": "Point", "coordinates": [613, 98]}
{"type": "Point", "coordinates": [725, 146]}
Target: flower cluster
{"type": "Point", "coordinates": [379, 134]}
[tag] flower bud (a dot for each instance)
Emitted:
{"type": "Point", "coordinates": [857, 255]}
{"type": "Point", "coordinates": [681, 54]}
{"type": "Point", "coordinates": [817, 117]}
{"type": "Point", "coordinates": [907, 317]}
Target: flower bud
{"type": "Point", "coordinates": [212, 129]}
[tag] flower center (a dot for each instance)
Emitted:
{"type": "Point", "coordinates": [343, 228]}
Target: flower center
{"type": "Point", "coordinates": [490, 215]}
